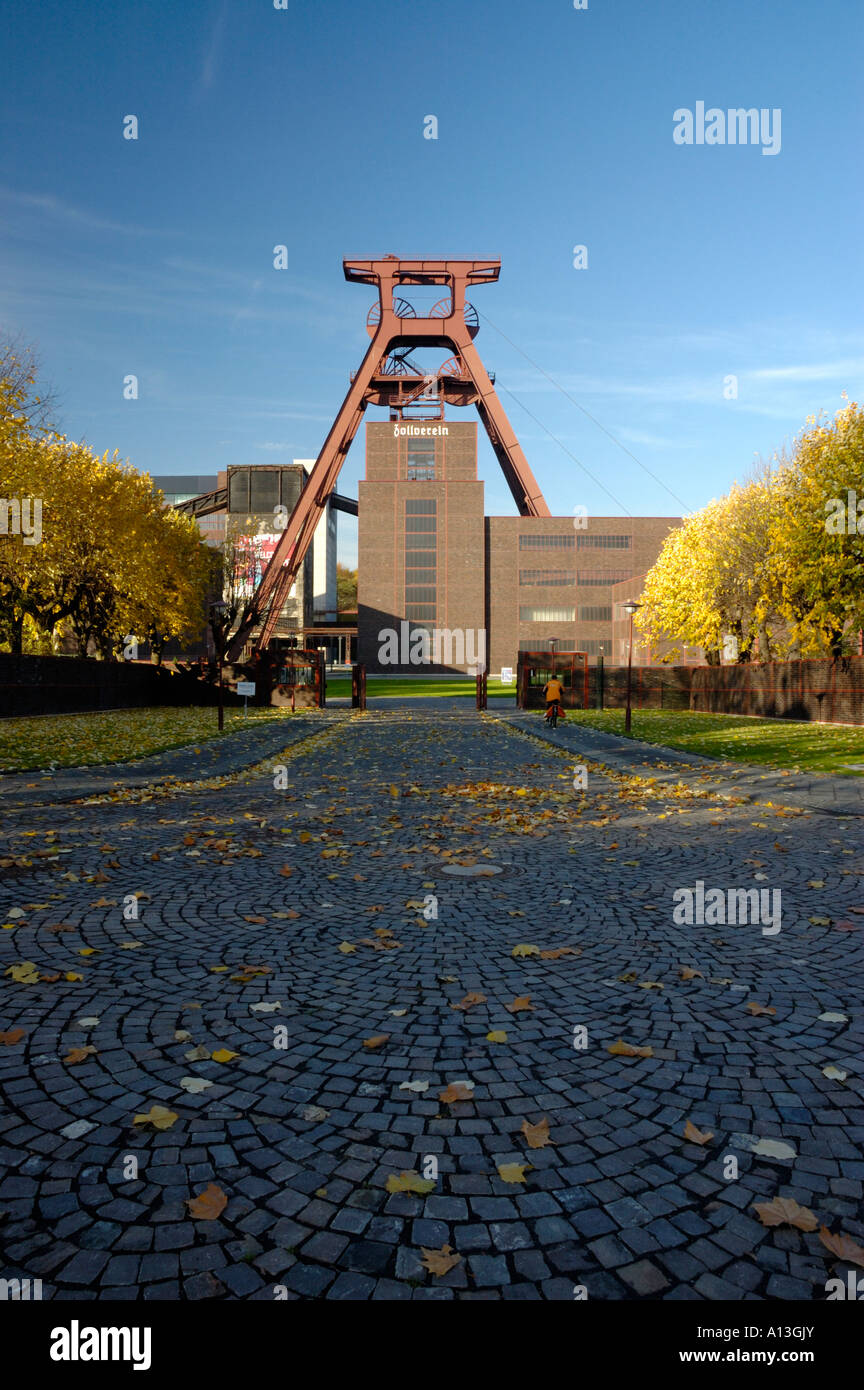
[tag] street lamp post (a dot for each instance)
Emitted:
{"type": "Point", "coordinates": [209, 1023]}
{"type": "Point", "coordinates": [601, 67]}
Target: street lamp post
{"type": "Point", "coordinates": [629, 608]}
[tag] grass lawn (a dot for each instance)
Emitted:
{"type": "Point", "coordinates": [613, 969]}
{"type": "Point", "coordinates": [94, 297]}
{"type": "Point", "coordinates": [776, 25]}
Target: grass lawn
{"type": "Point", "coordinates": [416, 686]}
{"type": "Point", "coordinates": [78, 740]}
{"type": "Point", "coordinates": [783, 743]}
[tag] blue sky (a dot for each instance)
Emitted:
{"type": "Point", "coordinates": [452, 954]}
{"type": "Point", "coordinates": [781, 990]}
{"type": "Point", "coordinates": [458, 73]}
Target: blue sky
{"type": "Point", "coordinates": [304, 126]}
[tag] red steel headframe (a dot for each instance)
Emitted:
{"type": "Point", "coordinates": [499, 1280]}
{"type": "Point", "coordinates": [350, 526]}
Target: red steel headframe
{"type": "Point", "coordinates": [448, 330]}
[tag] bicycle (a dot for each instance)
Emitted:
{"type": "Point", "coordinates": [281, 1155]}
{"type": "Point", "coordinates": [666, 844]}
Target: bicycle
{"type": "Point", "coordinates": [552, 714]}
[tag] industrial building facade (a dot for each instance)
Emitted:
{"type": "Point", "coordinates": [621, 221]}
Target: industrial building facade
{"type": "Point", "coordinates": [430, 558]}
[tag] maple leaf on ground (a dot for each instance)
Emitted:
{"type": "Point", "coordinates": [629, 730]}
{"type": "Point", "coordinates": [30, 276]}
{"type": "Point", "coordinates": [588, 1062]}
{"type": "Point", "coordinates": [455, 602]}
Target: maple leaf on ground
{"type": "Point", "coordinates": [456, 1091]}
{"type": "Point", "coordinates": [158, 1116]}
{"type": "Point", "coordinates": [757, 1009]}
{"type": "Point", "coordinates": [377, 1041]}
{"type": "Point", "coordinates": [24, 973]}
{"type": "Point", "coordinates": [346, 948]}
{"type": "Point", "coordinates": [223, 1054]}
{"type": "Point", "coordinates": [286, 871]}
{"type": "Point", "coordinates": [844, 1247]}
{"type": "Point", "coordinates": [697, 1136]}
{"type": "Point", "coordinates": [622, 1049]}
{"type": "Point", "coordinates": [409, 1182]}
{"type": "Point", "coordinates": [785, 1211]}
{"type": "Point", "coordinates": [522, 1002]}
{"type": "Point", "coordinates": [537, 1136]}
{"type": "Point", "coordinates": [439, 1262]}
{"type": "Point", "coordinates": [513, 1172]}
{"type": "Point", "coordinates": [685, 973]}
{"type": "Point", "coordinates": [209, 1204]}
{"type": "Point", "coordinates": [13, 1036]}
{"type": "Point", "coordinates": [78, 1054]}
{"type": "Point", "coordinates": [469, 1002]}
{"type": "Point", "coordinates": [496, 1036]}
{"type": "Point", "coordinates": [560, 951]}
{"type": "Point", "coordinates": [525, 950]}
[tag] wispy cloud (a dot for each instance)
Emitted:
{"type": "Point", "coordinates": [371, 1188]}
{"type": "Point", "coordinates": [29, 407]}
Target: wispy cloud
{"type": "Point", "coordinates": [213, 51]}
{"type": "Point", "coordinates": [55, 207]}
{"type": "Point", "coordinates": [815, 371]}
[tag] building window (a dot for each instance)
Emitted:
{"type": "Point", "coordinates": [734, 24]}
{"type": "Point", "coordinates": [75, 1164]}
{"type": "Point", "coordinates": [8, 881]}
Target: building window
{"type": "Point", "coordinates": [587, 578]}
{"type": "Point", "coordinates": [547, 615]}
{"type": "Point", "coordinates": [544, 644]}
{"type": "Point", "coordinates": [263, 490]}
{"type": "Point", "coordinates": [238, 490]}
{"type": "Point", "coordinates": [421, 558]}
{"type": "Point", "coordinates": [603, 542]}
{"type": "Point", "coordinates": [419, 463]}
{"type": "Point", "coordinates": [596, 613]}
{"type": "Point", "coordinates": [530, 542]}
{"type": "Point", "coordinates": [556, 579]}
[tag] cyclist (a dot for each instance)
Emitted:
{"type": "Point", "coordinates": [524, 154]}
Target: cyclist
{"type": "Point", "coordinates": [553, 692]}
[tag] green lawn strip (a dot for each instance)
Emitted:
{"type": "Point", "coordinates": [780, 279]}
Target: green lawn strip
{"type": "Point", "coordinates": [378, 686]}
{"type": "Point", "coordinates": [795, 745]}
{"type": "Point", "coordinates": [114, 736]}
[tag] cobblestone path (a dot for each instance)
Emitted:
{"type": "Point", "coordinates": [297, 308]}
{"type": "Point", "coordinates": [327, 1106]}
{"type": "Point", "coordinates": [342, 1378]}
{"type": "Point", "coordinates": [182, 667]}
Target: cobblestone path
{"type": "Point", "coordinates": [343, 1029]}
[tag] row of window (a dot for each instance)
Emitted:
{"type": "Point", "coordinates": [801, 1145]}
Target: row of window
{"type": "Point", "coordinates": [262, 489]}
{"type": "Point", "coordinates": [559, 579]}
{"type": "Point", "coordinates": [547, 615]}
{"type": "Point", "coordinates": [581, 542]}
{"type": "Point", "coordinates": [421, 558]}
{"type": "Point", "coordinates": [590, 645]}
{"type": "Point", "coordinates": [592, 613]}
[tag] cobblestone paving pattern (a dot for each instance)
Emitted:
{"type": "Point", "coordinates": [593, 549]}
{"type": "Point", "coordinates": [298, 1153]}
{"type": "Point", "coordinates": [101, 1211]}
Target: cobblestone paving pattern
{"type": "Point", "coordinates": [303, 1138]}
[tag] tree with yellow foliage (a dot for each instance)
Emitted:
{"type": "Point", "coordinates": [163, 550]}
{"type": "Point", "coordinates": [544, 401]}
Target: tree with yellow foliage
{"type": "Point", "coordinates": [779, 562]}
{"type": "Point", "coordinates": [110, 559]}
{"type": "Point", "coordinates": [817, 541]}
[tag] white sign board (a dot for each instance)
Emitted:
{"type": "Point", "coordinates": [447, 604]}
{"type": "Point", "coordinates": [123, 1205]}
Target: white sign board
{"type": "Point", "coordinates": [245, 687]}
{"type": "Point", "coordinates": [506, 675]}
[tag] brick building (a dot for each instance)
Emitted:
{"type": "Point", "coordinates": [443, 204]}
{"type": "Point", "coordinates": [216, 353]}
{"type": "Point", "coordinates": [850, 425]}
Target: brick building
{"type": "Point", "coordinates": [429, 558]}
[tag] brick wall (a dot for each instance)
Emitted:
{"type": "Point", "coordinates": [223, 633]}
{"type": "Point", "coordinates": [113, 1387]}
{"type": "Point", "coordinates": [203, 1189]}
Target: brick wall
{"type": "Point", "coordinates": [70, 685]}
{"type": "Point", "coordinates": [829, 691]}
